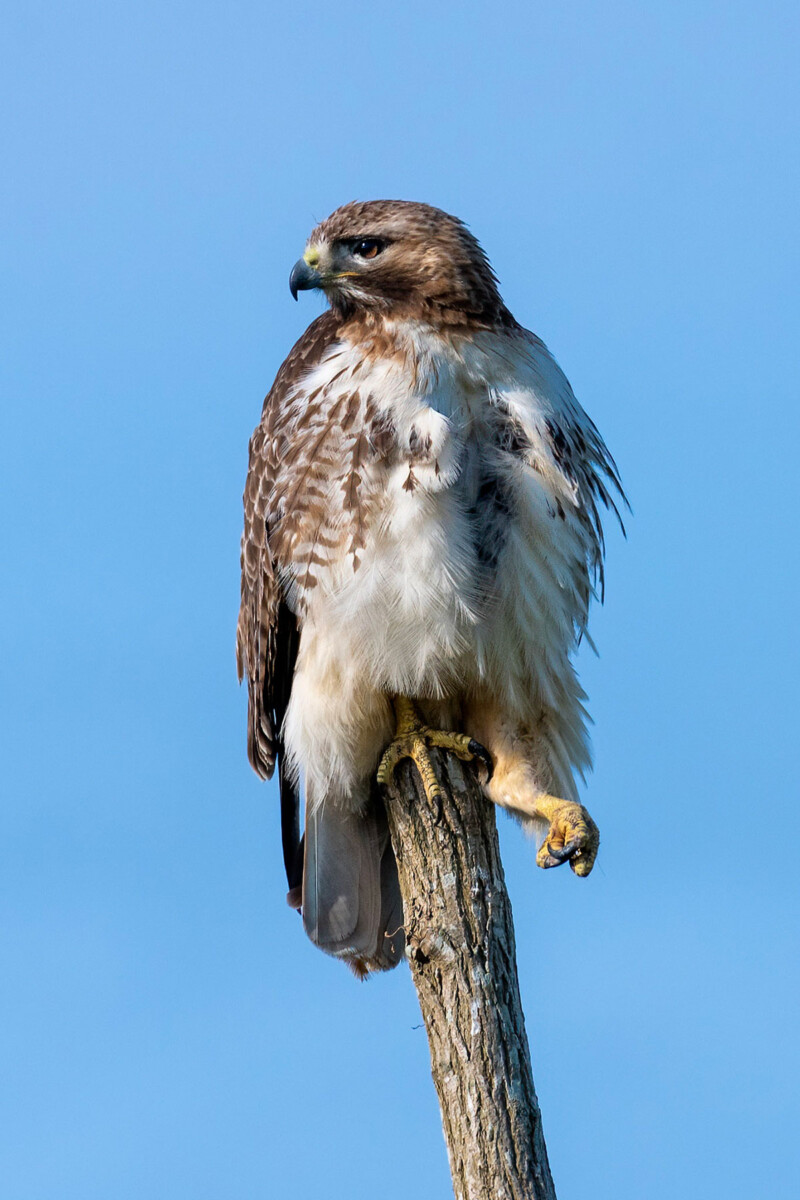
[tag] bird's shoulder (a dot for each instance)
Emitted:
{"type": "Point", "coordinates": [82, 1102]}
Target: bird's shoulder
{"type": "Point", "coordinates": [306, 354]}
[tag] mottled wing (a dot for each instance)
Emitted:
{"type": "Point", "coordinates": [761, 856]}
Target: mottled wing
{"type": "Point", "coordinates": [580, 455]}
{"type": "Point", "coordinates": [267, 634]}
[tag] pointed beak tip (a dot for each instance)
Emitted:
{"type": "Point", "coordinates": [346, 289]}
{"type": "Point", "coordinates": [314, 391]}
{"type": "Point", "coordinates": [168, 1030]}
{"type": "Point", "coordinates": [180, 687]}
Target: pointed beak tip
{"type": "Point", "coordinates": [302, 278]}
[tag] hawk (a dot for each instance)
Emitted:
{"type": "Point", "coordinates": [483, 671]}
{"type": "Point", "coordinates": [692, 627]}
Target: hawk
{"type": "Point", "coordinates": [422, 540]}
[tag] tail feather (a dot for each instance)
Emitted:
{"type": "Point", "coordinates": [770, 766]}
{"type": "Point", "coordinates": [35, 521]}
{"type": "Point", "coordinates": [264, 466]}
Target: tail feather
{"type": "Point", "coordinates": [352, 907]}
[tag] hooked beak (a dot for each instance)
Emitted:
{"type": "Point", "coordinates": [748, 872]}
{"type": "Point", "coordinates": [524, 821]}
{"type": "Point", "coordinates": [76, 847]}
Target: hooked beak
{"type": "Point", "coordinates": [303, 277]}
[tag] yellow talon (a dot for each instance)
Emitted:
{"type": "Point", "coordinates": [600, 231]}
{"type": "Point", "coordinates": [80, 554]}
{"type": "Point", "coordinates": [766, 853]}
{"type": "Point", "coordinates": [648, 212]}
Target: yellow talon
{"type": "Point", "coordinates": [572, 837]}
{"type": "Point", "coordinates": [412, 739]}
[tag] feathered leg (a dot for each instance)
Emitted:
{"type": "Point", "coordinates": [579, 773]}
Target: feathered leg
{"type": "Point", "coordinates": [528, 768]}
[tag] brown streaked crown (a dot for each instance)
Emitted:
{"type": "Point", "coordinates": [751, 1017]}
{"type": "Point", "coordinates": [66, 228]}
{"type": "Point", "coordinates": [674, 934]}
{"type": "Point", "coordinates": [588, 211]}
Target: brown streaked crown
{"type": "Point", "coordinates": [428, 264]}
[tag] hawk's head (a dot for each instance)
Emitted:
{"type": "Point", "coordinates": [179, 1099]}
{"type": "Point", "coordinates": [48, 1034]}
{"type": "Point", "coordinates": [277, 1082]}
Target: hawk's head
{"type": "Point", "coordinates": [399, 257]}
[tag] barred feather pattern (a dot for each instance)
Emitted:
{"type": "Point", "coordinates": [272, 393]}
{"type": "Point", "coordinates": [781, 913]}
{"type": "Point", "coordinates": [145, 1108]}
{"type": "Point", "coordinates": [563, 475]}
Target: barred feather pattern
{"type": "Point", "coordinates": [261, 595]}
{"type": "Point", "coordinates": [428, 504]}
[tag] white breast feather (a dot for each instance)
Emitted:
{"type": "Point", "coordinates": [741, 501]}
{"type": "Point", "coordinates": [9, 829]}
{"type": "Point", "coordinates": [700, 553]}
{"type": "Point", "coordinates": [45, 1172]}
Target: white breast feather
{"type": "Point", "coordinates": [418, 617]}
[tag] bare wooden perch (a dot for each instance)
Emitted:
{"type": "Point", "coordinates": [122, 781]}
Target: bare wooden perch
{"type": "Point", "coordinates": [460, 936]}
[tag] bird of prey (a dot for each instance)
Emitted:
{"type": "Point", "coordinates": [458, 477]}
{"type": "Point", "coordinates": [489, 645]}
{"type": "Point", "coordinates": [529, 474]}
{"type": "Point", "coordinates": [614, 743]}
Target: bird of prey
{"type": "Point", "coordinates": [422, 539]}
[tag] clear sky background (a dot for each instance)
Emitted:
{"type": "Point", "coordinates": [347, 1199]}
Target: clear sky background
{"type": "Point", "coordinates": [632, 170]}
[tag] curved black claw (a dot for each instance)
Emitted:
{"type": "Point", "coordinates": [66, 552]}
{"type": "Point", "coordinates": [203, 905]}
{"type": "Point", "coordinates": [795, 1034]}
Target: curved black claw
{"type": "Point", "coordinates": [563, 855]}
{"type": "Point", "coordinates": [482, 754]}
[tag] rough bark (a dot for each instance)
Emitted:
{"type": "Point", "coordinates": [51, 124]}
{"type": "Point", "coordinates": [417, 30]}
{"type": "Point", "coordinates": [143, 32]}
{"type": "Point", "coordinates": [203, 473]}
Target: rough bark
{"type": "Point", "coordinates": [462, 951]}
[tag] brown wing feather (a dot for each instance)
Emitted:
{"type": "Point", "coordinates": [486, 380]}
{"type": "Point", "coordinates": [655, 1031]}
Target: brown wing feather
{"type": "Point", "coordinates": [267, 635]}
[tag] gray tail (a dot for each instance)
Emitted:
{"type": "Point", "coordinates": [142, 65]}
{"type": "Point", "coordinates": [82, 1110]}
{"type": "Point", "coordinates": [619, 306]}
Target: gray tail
{"type": "Point", "coordinates": [352, 907]}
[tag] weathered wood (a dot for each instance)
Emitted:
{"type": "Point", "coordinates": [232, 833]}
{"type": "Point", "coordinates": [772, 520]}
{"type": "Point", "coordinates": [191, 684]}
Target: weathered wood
{"type": "Point", "coordinates": [460, 935]}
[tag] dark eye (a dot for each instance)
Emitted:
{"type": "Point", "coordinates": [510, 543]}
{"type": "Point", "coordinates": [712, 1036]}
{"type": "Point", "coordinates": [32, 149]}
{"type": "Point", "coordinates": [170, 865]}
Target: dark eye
{"type": "Point", "coordinates": [367, 248]}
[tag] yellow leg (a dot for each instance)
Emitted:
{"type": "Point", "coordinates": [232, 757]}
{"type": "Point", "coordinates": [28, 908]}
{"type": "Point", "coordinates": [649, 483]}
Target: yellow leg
{"type": "Point", "coordinates": [412, 739]}
{"type": "Point", "coordinates": [572, 837]}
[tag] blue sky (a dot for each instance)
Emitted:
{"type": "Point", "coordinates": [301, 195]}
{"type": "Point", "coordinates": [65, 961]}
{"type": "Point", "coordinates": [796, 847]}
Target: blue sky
{"type": "Point", "coordinates": [632, 171]}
